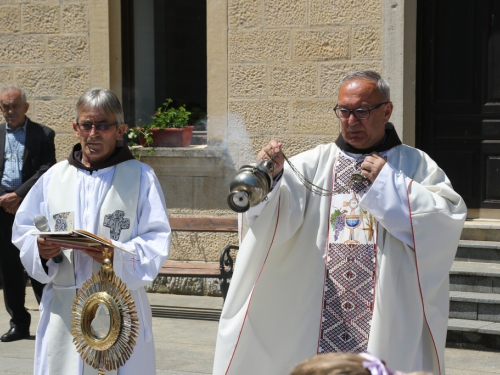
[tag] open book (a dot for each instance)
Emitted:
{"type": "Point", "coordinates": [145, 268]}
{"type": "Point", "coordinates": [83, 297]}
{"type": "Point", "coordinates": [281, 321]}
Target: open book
{"type": "Point", "coordinates": [77, 239]}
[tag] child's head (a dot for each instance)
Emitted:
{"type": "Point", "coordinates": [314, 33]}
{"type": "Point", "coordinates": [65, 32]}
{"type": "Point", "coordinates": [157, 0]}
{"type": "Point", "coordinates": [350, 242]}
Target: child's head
{"type": "Point", "coordinates": [332, 364]}
{"type": "Point", "coordinates": [345, 364]}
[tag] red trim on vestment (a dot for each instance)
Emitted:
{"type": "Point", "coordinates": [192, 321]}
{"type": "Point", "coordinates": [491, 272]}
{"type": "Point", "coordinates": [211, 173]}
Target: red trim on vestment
{"type": "Point", "coordinates": [418, 276]}
{"type": "Point", "coordinates": [240, 231]}
{"type": "Point", "coordinates": [375, 248]}
{"type": "Point", "coordinates": [256, 281]}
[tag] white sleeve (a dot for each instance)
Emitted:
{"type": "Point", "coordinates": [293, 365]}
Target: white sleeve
{"type": "Point", "coordinates": [33, 204]}
{"type": "Point", "coordinates": [387, 201]}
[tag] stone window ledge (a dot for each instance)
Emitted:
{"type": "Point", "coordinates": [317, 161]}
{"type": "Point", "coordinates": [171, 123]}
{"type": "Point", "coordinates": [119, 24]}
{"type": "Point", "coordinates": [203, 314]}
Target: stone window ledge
{"type": "Point", "coordinates": [192, 161]}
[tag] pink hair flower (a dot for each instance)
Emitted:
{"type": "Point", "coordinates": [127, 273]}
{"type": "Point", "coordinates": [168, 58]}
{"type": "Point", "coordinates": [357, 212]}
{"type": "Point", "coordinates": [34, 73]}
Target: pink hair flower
{"type": "Point", "coordinates": [375, 365]}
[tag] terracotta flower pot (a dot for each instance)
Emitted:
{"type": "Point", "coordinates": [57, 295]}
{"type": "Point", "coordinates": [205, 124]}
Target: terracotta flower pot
{"type": "Point", "coordinates": [173, 137]}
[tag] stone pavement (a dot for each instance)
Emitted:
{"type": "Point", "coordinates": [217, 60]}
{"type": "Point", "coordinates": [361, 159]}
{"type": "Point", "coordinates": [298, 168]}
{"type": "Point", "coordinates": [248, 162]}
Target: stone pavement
{"type": "Point", "coordinates": [186, 347]}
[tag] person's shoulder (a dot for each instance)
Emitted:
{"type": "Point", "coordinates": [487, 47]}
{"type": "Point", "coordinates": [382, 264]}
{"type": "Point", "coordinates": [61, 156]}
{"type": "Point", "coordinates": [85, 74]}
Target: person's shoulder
{"type": "Point", "coordinates": [147, 170]}
{"type": "Point", "coordinates": [319, 153]}
{"type": "Point", "coordinates": [412, 151]}
{"type": "Point", "coordinates": [327, 146]}
{"type": "Point", "coordinates": [412, 160]}
{"type": "Point", "coordinates": [56, 166]}
{"type": "Point", "coordinates": [133, 165]}
{"type": "Point", "coordinates": [307, 161]}
{"type": "Point", "coordinates": [39, 126]}
{"type": "Point", "coordinates": [61, 164]}
{"type": "Point", "coordinates": [148, 178]}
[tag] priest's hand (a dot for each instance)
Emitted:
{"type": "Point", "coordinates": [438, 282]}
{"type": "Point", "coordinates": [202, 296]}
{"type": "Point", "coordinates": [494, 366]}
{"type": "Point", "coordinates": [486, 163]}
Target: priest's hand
{"type": "Point", "coordinates": [96, 252]}
{"type": "Point", "coordinates": [273, 151]}
{"type": "Point", "coordinates": [372, 165]}
{"type": "Point", "coordinates": [47, 250]}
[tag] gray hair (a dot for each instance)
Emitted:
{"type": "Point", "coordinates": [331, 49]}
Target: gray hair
{"type": "Point", "coordinates": [102, 99]}
{"type": "Point", "coordinates": [370, 75]}
{"type": "Point", "coordinates": [14, 87]}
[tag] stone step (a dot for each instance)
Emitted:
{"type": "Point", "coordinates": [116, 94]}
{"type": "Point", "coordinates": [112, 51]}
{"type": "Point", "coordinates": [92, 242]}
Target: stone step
{"type": "Point", "coordinates": [477, 277]}
{"type": "Point", "coordinates": [184, 312]}
{"type": "Point", "coordinates": [473, 334]}
{"type": "Point", "coordinates": [475, 306]}
{"type": "Point", "coordinates": [478, 251]}
{"type": "Point", "coordinates": [481, 230]}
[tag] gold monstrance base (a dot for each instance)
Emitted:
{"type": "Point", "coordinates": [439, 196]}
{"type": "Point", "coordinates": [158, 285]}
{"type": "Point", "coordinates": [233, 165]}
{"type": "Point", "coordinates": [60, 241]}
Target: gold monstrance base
{"type": "Point", "coordinates": [104, 320]}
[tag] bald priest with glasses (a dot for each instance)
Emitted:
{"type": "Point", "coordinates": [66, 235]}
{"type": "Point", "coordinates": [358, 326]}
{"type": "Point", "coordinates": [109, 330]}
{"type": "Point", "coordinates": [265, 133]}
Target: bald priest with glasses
{"type": "Point", "coordinates": [103, 189]}
{"type": "Point", "coordinates": [359, 265]}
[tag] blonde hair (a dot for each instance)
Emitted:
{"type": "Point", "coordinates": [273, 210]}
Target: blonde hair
{"type": "Point", "coordinates": [332, 364]}
{"type": "Point", "coordinates": [337, 364]}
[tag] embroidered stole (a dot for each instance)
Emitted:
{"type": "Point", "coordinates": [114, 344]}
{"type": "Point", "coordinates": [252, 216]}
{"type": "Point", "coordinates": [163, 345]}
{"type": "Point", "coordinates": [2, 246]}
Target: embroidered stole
{"type": "Point", "coordinates": [117, 215]}
{"type": "Point", "coordinates": [350, 262]}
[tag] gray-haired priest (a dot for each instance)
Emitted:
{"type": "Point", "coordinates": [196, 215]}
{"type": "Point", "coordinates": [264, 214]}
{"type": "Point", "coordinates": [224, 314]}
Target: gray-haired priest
{"type": "Point", "coordinates": [102, 189]}
{"type": "Point", "coordinates": [361, 266]}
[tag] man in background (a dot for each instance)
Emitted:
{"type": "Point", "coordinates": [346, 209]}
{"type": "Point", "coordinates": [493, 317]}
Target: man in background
{"type": "Point", "coordinates": [26, 151]}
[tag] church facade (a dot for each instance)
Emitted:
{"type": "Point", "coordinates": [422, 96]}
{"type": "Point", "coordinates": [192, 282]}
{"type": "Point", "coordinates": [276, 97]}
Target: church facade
{"type": "Point", "coordinates": [271, 69]}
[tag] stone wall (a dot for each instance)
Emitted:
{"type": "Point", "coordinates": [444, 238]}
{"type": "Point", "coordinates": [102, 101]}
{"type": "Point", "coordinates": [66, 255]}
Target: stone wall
{"type": "Point", "coordinates": [274, 68]}
{"type": "Point", "coordinates": [49, 49]}
{"type": "Point", "coordinates": [195, 183]}
{"type": "Point", "coordinates": [286, 59]}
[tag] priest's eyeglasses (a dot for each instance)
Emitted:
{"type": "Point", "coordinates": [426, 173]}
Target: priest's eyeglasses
{"type": "Point", "coordinates": [359, 113]}
{"type": "Point", "coordinates": [100, 126]}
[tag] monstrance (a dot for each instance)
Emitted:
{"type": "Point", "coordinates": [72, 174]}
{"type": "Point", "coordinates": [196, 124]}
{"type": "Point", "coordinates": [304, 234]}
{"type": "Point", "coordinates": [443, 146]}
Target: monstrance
{"type": "Point", "coordinates": [104, 320]}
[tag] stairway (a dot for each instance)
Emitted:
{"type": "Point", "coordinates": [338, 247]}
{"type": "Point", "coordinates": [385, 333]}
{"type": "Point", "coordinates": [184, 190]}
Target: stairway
{"type": "Point", "coordinates": [475, 288]}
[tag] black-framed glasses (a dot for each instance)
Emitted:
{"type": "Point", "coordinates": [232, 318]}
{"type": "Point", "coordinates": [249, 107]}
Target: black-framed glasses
{"type": "Point", "coordinates": [100, 126]}
{"type": "Point", "coordinates": [359, 113]}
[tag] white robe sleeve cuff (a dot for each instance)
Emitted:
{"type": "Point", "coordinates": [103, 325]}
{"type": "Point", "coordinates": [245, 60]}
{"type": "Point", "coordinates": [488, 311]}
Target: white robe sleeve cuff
{"type": "Point", "coordinates": [387, 201]}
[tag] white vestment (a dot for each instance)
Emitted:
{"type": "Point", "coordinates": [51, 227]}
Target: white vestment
{"type": "Point", "coordinates": [149, 241]}
{"type": "Point", "coordinates": [271, 317]}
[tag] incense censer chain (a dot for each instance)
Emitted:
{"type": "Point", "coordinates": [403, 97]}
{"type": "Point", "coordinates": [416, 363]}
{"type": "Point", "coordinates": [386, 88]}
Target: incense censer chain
{"type": "Point", "coordinates": [308, 184]}
{"type": "Point", "coordinates": [356, 177]}
{"type": "Point", "coordinates": [253, 182]}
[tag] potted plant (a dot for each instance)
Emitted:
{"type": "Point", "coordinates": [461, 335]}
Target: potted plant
{"type": "Point", "coordinates": [168, 128]}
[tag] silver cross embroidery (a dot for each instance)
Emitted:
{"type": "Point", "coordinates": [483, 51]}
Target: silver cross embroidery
{"type": "Point", "coordinates": [116, 222]}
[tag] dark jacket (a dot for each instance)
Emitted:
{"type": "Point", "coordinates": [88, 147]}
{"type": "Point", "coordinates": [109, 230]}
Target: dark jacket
{"type": "Point", "coordinates": [39, 154]}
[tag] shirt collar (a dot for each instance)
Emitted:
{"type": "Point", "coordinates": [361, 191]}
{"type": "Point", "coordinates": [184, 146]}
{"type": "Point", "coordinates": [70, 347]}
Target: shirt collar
{"type": "Point", "coordinates": [21, 127]}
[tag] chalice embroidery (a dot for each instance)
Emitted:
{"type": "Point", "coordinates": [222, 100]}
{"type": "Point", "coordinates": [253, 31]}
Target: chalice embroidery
{"type": "Point", "coordinates": [352, 220]}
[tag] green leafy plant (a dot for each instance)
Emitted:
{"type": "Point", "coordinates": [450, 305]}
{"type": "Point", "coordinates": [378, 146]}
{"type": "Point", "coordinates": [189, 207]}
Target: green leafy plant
{"type": "Point", "coordinates": [170, 117]}
{"type": "Point", "coordinates": [165, 117]}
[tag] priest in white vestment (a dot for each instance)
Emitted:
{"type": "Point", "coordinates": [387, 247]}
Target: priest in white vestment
{"type": "Point", "coordinates": [362, 269]}
{"type": "Point", "coordinates": [102, 189]}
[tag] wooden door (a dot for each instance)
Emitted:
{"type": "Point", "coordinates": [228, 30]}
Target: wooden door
{"type": "Point", "coordinates": [458, 94]}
